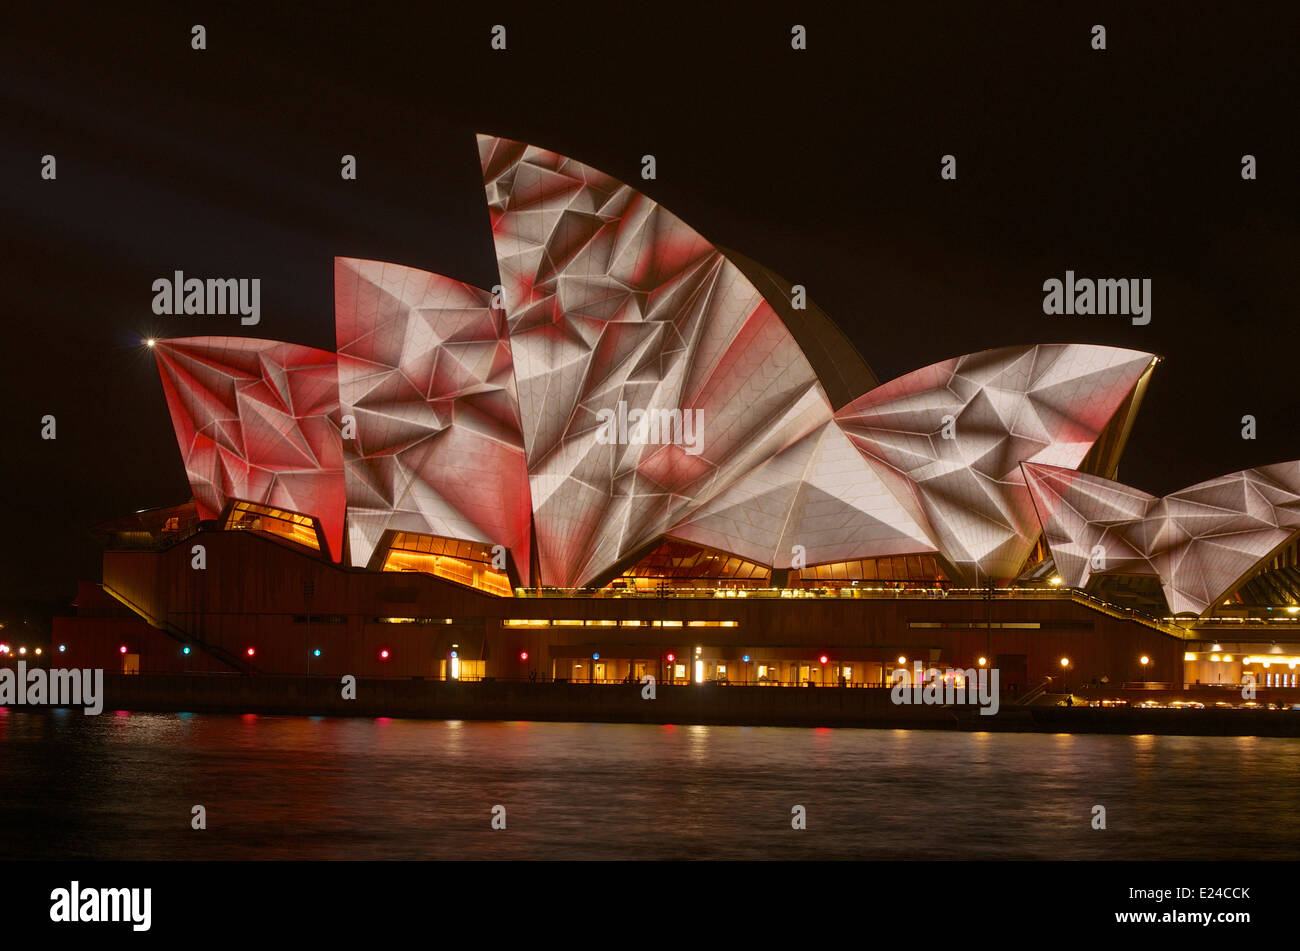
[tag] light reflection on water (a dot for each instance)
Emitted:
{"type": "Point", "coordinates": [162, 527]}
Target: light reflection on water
{"type": "Point", "coordinates": [122, 787]}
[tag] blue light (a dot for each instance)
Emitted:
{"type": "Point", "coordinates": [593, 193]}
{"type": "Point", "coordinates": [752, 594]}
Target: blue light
{"type": "Point", "coordinates": [62, 648]}
{"type": "Point", "coordinates": [316, 652]}
{"type": "Point", "coordinates": [747, 658]}
{"type": "Point", "coordinates": [185, 650]}
{"type": "Point", "coordinates": [453, 653]}
{"type": "Point", "coordinates": [595, 657]}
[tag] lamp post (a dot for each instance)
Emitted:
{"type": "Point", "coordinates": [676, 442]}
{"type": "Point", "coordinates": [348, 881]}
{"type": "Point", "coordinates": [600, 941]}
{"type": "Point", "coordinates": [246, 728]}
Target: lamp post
{"type": "Point", "coordinates": [988, 618]}
{"type": "Point", "coordinates": [308, 589]}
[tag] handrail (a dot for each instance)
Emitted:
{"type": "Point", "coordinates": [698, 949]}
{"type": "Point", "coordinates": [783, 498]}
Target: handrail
{"type": "Point", "coordinates": [925, 593]}
{"type": "Point", "coordinates": [156, 541]}
{"type": "Point", "coordinates": [1128, 614]}
{"type": "Point", "coordinates": [179, 634]}
{"type": "Point", "coordinates": [1033, 693]}
{"type": "Point", "coordinates": [870, 593]}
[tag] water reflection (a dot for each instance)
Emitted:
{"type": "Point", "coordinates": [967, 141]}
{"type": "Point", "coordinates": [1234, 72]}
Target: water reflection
{"type": "Point", "coordinates": [287, 787]}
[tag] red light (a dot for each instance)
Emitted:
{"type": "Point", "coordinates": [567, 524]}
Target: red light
{"type": "Point", "coordinates": [122, 649]}
{"type": "Point", "coordinates": [384, 653]}
{"type": "Point", "coordinates": [671, 658]}
{"type": "Point", "coordinates": [251, 652]}
{"type": "Point", "coordinates": [823, 658]}
{"type": "Point", "coordinates": [523, 655]}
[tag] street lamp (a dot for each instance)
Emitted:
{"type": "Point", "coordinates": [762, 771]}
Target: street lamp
{"type": "Point", "coordinates": [308, 589]}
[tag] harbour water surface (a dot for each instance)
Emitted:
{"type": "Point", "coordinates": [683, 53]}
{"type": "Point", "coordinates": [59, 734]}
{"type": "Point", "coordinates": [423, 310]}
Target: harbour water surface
{"type": "Point", "coordinates": [122, 786]}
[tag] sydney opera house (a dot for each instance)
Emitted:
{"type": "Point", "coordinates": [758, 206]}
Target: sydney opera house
{"type": "Point", "coordinates": [643, 453]}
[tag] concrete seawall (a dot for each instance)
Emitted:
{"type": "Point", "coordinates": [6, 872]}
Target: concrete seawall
{"type": "Point", "coordinates": [705, 704]}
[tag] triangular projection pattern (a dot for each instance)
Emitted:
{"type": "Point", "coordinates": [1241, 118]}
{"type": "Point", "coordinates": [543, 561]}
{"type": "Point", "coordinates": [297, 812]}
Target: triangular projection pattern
{"type": "Point", "coordinates": [818, 500]}
{"type": "Point", "coordinates": [1199, 541]}
{"type": "Point", "coordinates": [425, 373]}
{"type": "Point", "coordinates": [257, 420]}
{"type": "Point", "coordinates": [949, 440]}
{"type": "Point", "coordinates": [616, 306]}
{"type": "Point", "coordinates": [472, 421]}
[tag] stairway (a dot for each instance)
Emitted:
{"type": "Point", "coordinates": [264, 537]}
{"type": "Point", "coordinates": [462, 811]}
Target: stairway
{"type": "Point", "coordinates": [183, 637]}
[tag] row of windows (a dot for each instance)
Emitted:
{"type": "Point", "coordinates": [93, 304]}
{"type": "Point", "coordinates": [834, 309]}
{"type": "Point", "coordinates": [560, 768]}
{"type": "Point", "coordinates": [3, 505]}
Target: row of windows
{"type": "Point", "coordinates": [681, 561]}
{"type": "Point", "coordinates": [472, 574]}
{"type": "Point", "coordinates": [893, 568]}
{"type": "Point", "coordinates": [343, 619]}
{"type": "Point", "coordinates": [546, 622]}
{"type": "Point", "coordinates": [1029, 625]}
{"type": "Point", "coordinates": [299, 529]}
{"type": "Point", "coordinates": [470, 563]}
{"type": "Point", "coordinates": [438, 545]}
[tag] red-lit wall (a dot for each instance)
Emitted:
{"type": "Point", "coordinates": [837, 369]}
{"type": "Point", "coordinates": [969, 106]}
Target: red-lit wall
{"type": "Point", "coordinates": [253, 588]}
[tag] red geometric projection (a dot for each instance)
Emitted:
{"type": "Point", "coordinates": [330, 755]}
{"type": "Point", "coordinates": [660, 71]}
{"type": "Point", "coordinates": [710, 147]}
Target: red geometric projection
{"type": "Point", "coordinates": [425, 371]}
{"type": "Point", "coordinates": [616, 308]}
{"type": "Point", "coordinates": [638, 386]}
{"type": "Point", "coordinates": [819, 494]}
{"type": "Point", "coordinates": [1199, 541]}
{"type": "Point", "coordinates": [257, 420]}
{"type": "Point", "coordinates": [948, 440]}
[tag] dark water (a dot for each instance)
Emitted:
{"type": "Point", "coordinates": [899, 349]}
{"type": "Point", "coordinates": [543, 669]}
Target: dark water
{"type": "Point", "coordinates": [121, 786]}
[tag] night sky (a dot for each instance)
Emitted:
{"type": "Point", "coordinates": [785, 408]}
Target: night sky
{"type": "Point", "coordinates": [823, 165]}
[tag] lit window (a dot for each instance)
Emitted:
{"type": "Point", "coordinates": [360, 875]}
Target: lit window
{"type": "Point", "coordinates": [290, 526]}
{"type": "Point", "coordinates": [463, 562]}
